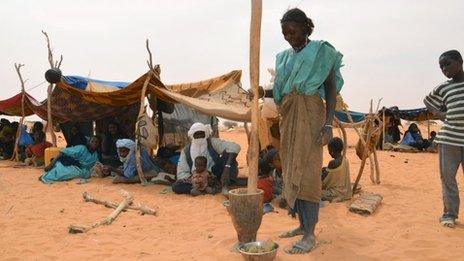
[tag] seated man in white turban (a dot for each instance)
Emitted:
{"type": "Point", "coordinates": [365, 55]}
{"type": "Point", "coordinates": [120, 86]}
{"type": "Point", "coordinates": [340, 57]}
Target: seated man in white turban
{"type": "Point", "coordinates": [221, 158]}
{"type": "Point", "coordinates": [128, 172]}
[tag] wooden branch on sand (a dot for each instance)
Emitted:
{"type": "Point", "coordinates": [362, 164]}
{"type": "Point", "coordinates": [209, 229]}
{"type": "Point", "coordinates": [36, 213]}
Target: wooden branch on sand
{"type": "Point", "coordinates": [74, 229]}
{"type": "Point", "coordinates": [143, 210]}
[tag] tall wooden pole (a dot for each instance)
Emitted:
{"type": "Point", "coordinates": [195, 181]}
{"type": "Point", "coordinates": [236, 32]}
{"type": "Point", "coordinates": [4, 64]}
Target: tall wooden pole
{"type": "Point", "coordinates": [255, 39]}
{"type": "Point", "coordinates": [428, 129]}
{"type": "Point", "coordinates": [138, 147]}
{"type": "Point", "coordinates": [53, 64]}
{"type": "Point", "coordinates": [49, 114]}
{"type": "Point", "coordinates": [384, 128]}
{"type": "Point", "coordinates": [15, 155]}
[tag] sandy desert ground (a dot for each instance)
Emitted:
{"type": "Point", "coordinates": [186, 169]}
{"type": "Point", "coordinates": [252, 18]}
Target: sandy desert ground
{"type": "Point", "coordinates": [34, 219]}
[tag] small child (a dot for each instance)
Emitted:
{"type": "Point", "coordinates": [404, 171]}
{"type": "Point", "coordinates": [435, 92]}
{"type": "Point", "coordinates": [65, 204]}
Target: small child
{"type": "Point", "coordinates": [202, 180]}
{"type": "Point", "coordinates": [35, 153]}
{"type": "Point", "coordinates": [270, 177]}
{"type": "Point", "coordinates": [265, 182]}
{"type": "Point", "coordinates": [336, 185]}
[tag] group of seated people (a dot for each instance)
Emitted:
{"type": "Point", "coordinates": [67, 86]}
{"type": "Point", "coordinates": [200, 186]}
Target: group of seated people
{"type": "Point", "coordinates": [207, 165]}
{"type": "Point", "coordinates": [31, 145]}
{"type": "Point", "coordinates": [336, 184]}
{"type": "Point", "coordinates": [412, 137]}
{"type": "Point", "coordinates": [111, 154]}
{"type": "Point", "coordinates": [7, 138]}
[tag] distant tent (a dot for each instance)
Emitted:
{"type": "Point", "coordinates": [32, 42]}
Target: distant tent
{"type": "Point", "coordinates": [421, 114]}
{"type": "Point", "coordinates": [356, 116]}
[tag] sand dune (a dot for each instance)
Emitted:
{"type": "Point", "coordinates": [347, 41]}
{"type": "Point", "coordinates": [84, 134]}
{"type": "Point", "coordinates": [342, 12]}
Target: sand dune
{"type": "Point", "coordinates": [34, 218]}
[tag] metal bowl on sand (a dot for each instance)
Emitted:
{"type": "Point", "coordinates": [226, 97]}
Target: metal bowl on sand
{"type": "Point", "coordinates": [263, 256]}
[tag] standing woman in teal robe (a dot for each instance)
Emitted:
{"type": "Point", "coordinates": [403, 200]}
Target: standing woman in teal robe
{"type": "Point", "coordinates": [73, 162]}
{"type": "Point", "coordinates": [306, 74]}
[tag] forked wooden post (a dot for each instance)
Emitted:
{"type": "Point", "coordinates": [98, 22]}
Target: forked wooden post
{"type": "Point", "coordinates": [53, 64]}
{"type": "Point", "coordinates": [138, 161]}
{"type": "Point", "coordinates": [428, 128]}
{"type": "Point", "coordinates": [153, 72]}
{"type": "Point", "coordinates": [15, 155]}
{"type": "Point", "coordinates": [366, 153]}
{"type": "Point", "coordinates": [384, 128]}
{"type": "Point", "coordinates": [255, 39]}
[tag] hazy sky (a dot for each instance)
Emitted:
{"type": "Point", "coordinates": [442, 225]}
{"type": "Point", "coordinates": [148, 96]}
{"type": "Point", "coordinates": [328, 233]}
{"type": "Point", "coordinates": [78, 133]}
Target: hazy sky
{"type": "Point", "coordinates": [390, 47]}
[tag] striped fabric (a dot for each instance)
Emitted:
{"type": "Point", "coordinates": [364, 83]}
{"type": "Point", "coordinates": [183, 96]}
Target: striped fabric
{"type": "Point", "coordinates": [450, 97]}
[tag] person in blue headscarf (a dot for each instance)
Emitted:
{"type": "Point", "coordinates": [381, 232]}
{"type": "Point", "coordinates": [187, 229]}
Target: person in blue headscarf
{"type": "Point", "coordinates": [128, 172]}
{"type": "Point", "coordinates": [73, 162]}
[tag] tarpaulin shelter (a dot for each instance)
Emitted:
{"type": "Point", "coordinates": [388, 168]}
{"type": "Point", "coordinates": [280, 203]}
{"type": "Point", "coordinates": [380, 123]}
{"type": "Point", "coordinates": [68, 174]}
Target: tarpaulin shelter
{"type": "Point", "coordinates": [12, 106]}
{"type": "Point", "coordinates": [80, 99]}
{"type": "Point", "coordinates": [421, 114]}
{"type": "Point", "coordinates": [355, 116]}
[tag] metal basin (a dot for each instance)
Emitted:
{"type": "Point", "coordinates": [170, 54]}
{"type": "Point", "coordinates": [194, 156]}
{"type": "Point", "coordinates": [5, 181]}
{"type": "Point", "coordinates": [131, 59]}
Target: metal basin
{"type": "Point", "coordinates": [266, 256]}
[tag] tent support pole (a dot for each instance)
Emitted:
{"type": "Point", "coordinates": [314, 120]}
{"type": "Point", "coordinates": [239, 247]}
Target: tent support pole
{"type": "Point", "coordinates": [15, 155]}
{"type": "Point", "coordinates": [160, 128]}
{"type": "Point", "coordinates": [384, 128]}
{"type": "Point", "coordinates": [53, 64]}
{"type": "Point", "coordinates": [49, 115]}
{"type": "Point", "coordinates": [428, 129]}
{"type": "Point", "coordinates": [138, 161]}
{"type": "Point", "coordinates": [377, 168]}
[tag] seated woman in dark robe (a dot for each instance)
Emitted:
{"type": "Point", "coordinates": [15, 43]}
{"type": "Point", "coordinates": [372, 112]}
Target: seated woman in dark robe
{"type": "Point", "coordinates": [76, 137]}
{"type": "Point", "coordinates": [37, 127]}
{"type": "Point", "coordinates": [7, 139]}
{"type": "Point", "coordinates": [109, 150]}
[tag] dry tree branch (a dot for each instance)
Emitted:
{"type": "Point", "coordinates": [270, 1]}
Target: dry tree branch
{"type": "Point", "coordinates": [74, 229]}
{"type": "Point", "coordinates": [58, 64]}
{"type": "Point", "coordinates": [155, 69]}
{"type": "Point", "coordinates": [150, 57]}
{"type": "Point", "coordinates": [378, 105]}
{"type": "Point", "coordinates": [18, 70]}
{"type": "Point", "coordinates": [18, 132]}
{"type": "Point", "coordinates": [141, 208]}
{"type": "Point", "coordinates": [50, 53]}
{"type": "Point", "coordinates": [53, 64]}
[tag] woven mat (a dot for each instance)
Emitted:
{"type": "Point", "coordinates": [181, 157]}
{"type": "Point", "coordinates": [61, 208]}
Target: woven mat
{"type": "Point", "coordinates": [366, 203]}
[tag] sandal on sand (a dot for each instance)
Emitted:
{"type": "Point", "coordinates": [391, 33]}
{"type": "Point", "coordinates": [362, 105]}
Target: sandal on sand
{"type": "Point", "coordinates": [292, 233]}
{"type": "Point", "coordinates": [447, 222]}
{"type": "Point", "coordinates": [299, 248]}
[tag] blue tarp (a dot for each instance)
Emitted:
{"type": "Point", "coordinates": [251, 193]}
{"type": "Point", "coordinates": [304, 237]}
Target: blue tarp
{"type": "Point", "coordinates": [80, 82]}
{"type": "Point", "coordinates": [356, 116]}
{"type": "Point", "coordinates": [421, 114]}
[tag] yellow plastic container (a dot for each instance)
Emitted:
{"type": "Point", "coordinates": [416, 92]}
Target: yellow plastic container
{"type": "Point", "coordinates": [50, 154]}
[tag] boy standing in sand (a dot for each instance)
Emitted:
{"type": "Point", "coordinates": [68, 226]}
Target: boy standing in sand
{"type": "Point", "coordinates": [447, 102]}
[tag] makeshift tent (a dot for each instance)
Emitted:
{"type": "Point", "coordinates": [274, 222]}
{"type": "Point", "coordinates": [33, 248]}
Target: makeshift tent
{"type": "Point", "coordinates": [80, 99]}
{"type": "Point", "coordinates": [12, 106]}
{"type": "Point", "coordinates": [421, 114]}
{"type": "Point", "coordinates": [355, 116]}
